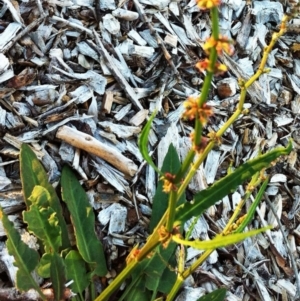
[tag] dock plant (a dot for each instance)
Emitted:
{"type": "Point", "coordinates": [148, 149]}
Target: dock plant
{"type": "Point", "coordinates": [157, 269]}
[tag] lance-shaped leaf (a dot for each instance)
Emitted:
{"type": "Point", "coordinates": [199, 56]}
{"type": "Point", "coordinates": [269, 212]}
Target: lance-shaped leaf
{"type": "Point", "coordinates": [217, 295]}
{"type": "Point", "coordinates": [32, 174]}
{"type": "Point", "coordinates": [219, 241]}
{"type": "Point", "coordinates": [143, 143]}
{"type": "Point", "coordinates": [83, 220]}
{"type": "Point", "coordinates": [26, 259]}
{"type": "Point", "coordinates": [42, 220]}
{"type": "Point", "coordinates": [208, 197]}
{"type": "Point", "coordinates": [76, 271]}
{"type": "Point", "coordinates": [57, 276]}
{"type": "Point", "coordinates": [252, 209]}
{"type": "Point", "coordinates": [171, 164]}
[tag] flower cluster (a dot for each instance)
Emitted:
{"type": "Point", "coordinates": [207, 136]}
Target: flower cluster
{"type": "Point", "coordinates": [221, 44]}
{"type": "Point", "coordinates": [201, 146]}
{"type": "Point", "coordinates": [208, 4]}
{"type": "Point", "coordinates": [204, 65]}
{"type": "Point", "coordinates": [193, 110]}
{"type": "Point", "coordinates": [168, 184]}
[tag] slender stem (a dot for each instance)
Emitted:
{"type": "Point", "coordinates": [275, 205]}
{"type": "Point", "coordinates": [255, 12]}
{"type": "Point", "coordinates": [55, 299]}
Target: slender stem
{"type": "Point", "coordinates": [113, 286]}
{"type": "Point", "coordinates": [172, 209]}
{"type": "Point", "coordinates": [185, 166]}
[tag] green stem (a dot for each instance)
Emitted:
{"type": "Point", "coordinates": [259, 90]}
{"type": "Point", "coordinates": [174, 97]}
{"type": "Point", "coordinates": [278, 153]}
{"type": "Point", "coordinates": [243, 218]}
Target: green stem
{"type": "Point", "coordinates": [181, 277]}
{"type": "Point", "coordinates": [209, 74]}
{"type": "Point", "coordinates": [172, 210]}
{"type": "Point", "coordinates": [185, 166]}
{"type": "Point", "coordinates": [113, 286]}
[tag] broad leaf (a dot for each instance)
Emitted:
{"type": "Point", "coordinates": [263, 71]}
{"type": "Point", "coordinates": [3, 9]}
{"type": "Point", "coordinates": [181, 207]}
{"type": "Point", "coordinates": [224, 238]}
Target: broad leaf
{"type": "Point", "coordinates": [208, 197]}
{"type": "Point", "coordinates": [83, 220]}
{"type": "Point", "coordinates": [43, 268]}
{"type": "Point", "coordinates": [76, 271]}
{"type": "Point", "coordinates": [143, 143]}
{"type": "Point", "coordinates": [57, 276]}
{"type": "Point", "coordinates": [156, 273]}
{"type": "Point", "coordinates": [217, 295]}
{"type": "Point", "coordinates": [33, 174]}
{"type": "Point", "coordinates": [219, 241]}
{"type": "Point", "coordinates": [42, 221]}
{"type": "Point", "coordinates": [26, 259]}
{"type": "Point", "coordinates": [171, 164]}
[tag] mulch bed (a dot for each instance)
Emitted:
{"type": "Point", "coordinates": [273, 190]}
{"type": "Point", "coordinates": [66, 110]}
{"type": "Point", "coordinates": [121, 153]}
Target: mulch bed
{"type": "Point", "coordinates": [79, 79]}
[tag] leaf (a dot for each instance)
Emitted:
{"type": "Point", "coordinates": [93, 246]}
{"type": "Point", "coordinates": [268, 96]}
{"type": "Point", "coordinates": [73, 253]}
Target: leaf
{"type": "Point", "coordinates": [43, 222]}
{"type": "Point", "coordinates": [157, 266]}
{"type": "Point", "coordinates": [217, 295]}
{"type": "Point", "coordinates": [151, 270]}
{"type": "Point", "coordinates": [143, 143]}
{"type": "Point", "coordinates": [171, 164]}
{"type": "Point", "coordinates": [252, 209]}
{"type": "Point", "coordinates": [57, 276]}
{"type": "Point", "coordinates": [26, 259]}
{"type": "Point", "coordinates": [218, 241]}
{"type": "Point", "coordinates": [32, 174]}
{"type": "Point", "coordinates": [83, 220]}
{"type": "Point", "coordinates": [138, 294]}
{"type": "Point", "coordinates": [43, 268]}
{"type": "Point", "coordinates": [76, 271]}
{"type": "Point", "coordinates": [208, 197]}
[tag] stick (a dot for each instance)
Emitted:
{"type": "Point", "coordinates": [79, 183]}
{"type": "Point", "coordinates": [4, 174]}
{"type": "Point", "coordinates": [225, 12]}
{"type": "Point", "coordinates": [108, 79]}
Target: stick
{"type": "Point", "coordinates": [91, 145]}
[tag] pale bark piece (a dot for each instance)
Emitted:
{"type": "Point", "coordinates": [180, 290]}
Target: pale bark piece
{"type": "Point", "coordinates": [111, 24]}
{"type": "Point", "coordinates": [93, 146]}
{"type": "Point", "coordinates": [122, 131]}
{"type": "Point", "coordinates": [139, 118]}
{"type": "Point", "coordinates": [9, 32]}
{"type": "Point", "coordinates": [125, 14]}
{"type": "Point", "coordinates": [211, 166]}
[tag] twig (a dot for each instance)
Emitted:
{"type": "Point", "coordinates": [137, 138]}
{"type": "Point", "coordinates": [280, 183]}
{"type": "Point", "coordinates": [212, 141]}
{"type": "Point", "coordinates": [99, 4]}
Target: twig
{"type": "Point", "coordinates": [118, 76]}
{"type": "Point", "coordinates": [287, 246]}
{"type": "Point", "coordinates": [72, 24]}
{"type": "Point", "coordinates": [22, 33]}
{"type": "Point", "coordinates": [93, 146]}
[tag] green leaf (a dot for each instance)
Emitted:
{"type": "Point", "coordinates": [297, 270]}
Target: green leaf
{"type": "Point", "coordinates": [157, 266]}
{"type": "Point", "coordinates": [26, 259]}
{"type": "Point", "coordinates": [252, 209]}
{"type": "Point", "coordinates": [217, 295]}
{"type": "Point", "coordinates": [219, 241]}
{"type": "Point", "coordinates": [76, 271]}
{"type": "Point", "coordinates": [138, 293]}
{"type": "Point", "coordinates": [143, 143]}
{"type": "Point", "coordinates": [83, 220]}
{"type": "Point", "coordinates": [155, 273]}
{"type": "Point", "coordinates": [208, 197]}
{"type": "Point", "coordinates": [33, 174]}
{"type": "Point", "coordinates": [171, 164]}
{"type": "Point", "coordinates": [57, 276]}
{"type": "Point", "coordinates": [43, 268]}
{"type": "Point", "coordinates": [42, 221]}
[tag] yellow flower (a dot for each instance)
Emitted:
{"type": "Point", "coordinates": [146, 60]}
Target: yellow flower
{"type": "Point", "coordinates": [191, 107]}
{"type": "Point", "coordinates": [204, 113]}
{"type": "Point", "coordinates": [222, 44]}
{"type": "Point", "coordinates": [204, 65]}
{"type": "Point", "coordinates": [208, 4]}
{"type": "Point", "coordinates": [192, 110]}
